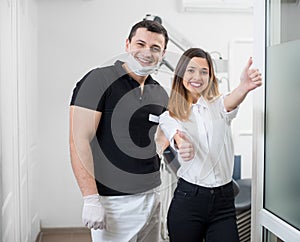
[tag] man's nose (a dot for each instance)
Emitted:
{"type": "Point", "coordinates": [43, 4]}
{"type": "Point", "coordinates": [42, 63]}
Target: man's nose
{"type": "Point", "coordinates": [147, 52]}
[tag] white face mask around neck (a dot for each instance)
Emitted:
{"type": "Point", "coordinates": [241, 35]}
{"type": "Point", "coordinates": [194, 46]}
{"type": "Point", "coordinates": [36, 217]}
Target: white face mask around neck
{"type": "Point", "coordinates": [138, 69]}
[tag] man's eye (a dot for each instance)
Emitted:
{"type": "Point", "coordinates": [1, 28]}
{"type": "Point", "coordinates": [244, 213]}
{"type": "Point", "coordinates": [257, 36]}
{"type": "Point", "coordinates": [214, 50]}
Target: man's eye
{"type": "Point", "coordinates": [155, 49]}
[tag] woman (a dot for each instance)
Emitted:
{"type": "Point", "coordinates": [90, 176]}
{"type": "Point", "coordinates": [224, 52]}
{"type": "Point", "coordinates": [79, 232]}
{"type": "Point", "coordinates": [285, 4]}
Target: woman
{"type": "Point", "coordinates": [197, 123]}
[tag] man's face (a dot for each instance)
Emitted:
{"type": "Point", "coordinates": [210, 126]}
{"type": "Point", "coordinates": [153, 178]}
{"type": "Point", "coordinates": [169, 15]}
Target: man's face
{"type": "Point", "coordinates": [146, 47]}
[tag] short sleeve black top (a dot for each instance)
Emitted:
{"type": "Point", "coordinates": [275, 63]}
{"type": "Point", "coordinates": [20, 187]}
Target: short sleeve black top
{"type": "Point", "coordinates": [125, 159]}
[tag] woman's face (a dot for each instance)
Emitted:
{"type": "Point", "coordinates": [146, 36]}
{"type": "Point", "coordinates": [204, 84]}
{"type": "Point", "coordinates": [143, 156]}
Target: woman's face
{"type": "Point", "coordinates": [196, 77]}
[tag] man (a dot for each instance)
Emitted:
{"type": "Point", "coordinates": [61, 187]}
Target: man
{"type": "Point", "coordinates": [113, 117]}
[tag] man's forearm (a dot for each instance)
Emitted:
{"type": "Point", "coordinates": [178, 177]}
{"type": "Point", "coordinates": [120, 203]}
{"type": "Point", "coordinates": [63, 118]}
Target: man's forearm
{"type": "Point", "coordinates": [83, 126]}
{"type": "Point", "coordinates": [83, 168]}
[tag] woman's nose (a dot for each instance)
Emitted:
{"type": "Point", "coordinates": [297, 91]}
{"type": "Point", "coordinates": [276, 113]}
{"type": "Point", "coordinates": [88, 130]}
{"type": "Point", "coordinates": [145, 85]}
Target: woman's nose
{"type": "Point", "coordinates": [197, 75]}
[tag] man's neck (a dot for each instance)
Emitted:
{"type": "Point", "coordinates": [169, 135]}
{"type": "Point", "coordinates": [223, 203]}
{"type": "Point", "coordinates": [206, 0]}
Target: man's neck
{"type": "Point", "coordinates": [140, 79]}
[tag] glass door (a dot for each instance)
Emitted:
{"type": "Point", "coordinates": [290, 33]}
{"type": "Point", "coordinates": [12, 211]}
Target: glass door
{"type": "Point", "coordinates": [281, 193]}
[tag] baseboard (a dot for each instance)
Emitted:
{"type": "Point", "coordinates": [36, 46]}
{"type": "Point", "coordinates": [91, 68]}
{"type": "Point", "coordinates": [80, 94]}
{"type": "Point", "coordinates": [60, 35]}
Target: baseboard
{"type": "Point", "coordinates": [35, 227]}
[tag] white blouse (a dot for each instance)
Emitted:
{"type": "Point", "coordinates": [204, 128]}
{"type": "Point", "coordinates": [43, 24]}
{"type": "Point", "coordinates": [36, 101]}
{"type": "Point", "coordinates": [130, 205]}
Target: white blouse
{"type": "Point", "coordinates": [209, 129]}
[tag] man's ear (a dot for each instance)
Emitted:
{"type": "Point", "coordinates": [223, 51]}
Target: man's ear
{"type": "Point", "coordinates": [127, 45]}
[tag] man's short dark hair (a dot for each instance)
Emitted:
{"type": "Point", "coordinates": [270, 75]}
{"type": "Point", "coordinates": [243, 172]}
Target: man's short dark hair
{"type": "Point", "coordinates": [152, 26]}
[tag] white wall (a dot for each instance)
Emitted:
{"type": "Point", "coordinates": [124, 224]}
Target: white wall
{"type": "Point", "coordinates": [239, 52]}
{"type": "Point", "coordinates": [75, 36]}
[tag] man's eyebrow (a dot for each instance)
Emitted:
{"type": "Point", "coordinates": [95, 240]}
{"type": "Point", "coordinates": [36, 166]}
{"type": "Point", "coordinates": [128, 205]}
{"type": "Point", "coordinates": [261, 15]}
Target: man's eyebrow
{"type": "Point", "coordinates": [140, 40]}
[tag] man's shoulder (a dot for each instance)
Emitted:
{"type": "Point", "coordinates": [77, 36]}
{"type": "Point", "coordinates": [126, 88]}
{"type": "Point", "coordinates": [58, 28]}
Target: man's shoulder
{"type": "Point", "coordinates": [101, 74]}
{"type": "Point", "coordinates": [155, 82]}
{"type": "Point", "coordinates": [157, 85]}
{"type": "Point", "coordinates": [102, 70]}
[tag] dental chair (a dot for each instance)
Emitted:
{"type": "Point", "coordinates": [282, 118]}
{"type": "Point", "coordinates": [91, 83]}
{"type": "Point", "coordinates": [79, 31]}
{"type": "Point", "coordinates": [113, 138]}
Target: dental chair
{"type": "Point", "coordinates": [242, 202]}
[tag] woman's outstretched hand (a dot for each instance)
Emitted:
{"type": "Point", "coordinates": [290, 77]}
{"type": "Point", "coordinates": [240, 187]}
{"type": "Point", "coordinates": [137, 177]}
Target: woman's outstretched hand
{"type": "Point", "coordinates": [251, 78]}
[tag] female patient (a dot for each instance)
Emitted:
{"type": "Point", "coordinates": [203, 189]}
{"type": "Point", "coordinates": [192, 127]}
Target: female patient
{"type": "Point", "coordinates": [197, 123]}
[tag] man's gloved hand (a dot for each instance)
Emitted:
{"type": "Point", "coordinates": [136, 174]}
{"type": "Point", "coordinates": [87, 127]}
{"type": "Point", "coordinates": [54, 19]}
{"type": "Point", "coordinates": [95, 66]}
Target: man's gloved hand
{"type": "Point", "coordinates": [93, 213]}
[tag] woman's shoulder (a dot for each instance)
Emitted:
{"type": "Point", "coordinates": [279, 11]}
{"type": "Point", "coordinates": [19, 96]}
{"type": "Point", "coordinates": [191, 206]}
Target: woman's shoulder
{"type": "Point", "coordinates": [166, 116]}
{"type": "Point", "coordinates": [215, 100]}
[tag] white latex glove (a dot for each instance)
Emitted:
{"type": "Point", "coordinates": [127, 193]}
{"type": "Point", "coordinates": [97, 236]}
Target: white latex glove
{"type": "Point", "coordinates": [93, 213]}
